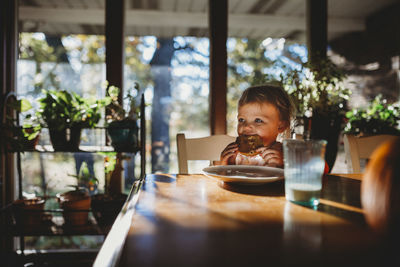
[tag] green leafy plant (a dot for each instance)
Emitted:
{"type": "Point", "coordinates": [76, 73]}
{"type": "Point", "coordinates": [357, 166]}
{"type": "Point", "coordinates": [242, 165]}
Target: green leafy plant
{"type": "Point", "coordinates": [122, 123]}
{"type": "Point", "coordinates": [63, 109]}
{"type": "Point", "coordinates": [85, 179]}
{"type": "Point", "coordinates": [16, 134]}
{"type": "Point", "coordinates": [110, 160]}
{"type": "Point", "coordinates": [66, 113]}
{"type": "Point", "coordinates": [317, 88]}
{"type": "Point", "coordinates": [31, 127]}
{"type": "Point", "coordinates": [380, 117]}
{"type": "Point", "coordinates": [107, 205]}
{"type": "Point", "coordinates": [116, 110]}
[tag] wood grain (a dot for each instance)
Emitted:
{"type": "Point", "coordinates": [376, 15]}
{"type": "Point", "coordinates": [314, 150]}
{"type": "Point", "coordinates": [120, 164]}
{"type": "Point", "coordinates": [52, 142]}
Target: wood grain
{"type": "Point", "coordinates": [193, 220]}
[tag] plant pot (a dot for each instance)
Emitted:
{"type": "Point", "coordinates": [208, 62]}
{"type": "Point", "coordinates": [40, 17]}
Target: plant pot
{"type": "Point", "coordinates": [67, 139]}
{"type": "Point", "coordinates": [123, 135]}
{"type": "Point", "coordinates": [28, 211]}
{"type": "Point", "coordinates": [106, 208]}
{"type": "Point", "coordinates": [76, 206]}
{"type": "Point", "coordinates": [327, 128]}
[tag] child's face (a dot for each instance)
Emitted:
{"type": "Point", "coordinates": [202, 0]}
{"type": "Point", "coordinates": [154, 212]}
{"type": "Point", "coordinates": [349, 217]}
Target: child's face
{"type": "Point", "coordinates": [262, 119]}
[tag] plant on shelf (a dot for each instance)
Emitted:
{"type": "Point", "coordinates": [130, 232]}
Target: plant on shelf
{"type": "Point", "coordinates": [21, 136]}
{"type": "Point", "coordinates": [31, 129]}
{"type": "Point", "coordinates": [122, 125]}
{"type": "Point", "coordinates": [28, 211]}
{"type": "Point", "coordinates": [76, 203]}
{"type": "Point", "coordinates": [66, 113]}
{"type": "Point", "coordinates": [106, 206]}
{"type": "Point", "coordinates": [380, 117]}
{"type": "Point", "coordinates": [86, 179]}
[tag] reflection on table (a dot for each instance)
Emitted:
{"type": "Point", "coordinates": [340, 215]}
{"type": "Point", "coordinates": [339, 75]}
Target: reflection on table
{"type": "Point", "coordinates": [194, 220]}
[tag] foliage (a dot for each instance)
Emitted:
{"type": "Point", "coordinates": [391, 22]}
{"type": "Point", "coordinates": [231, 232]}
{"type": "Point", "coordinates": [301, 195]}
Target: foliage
{"type": "Point", "coordinates": [63, 109]}
{"type": "Point", "coordinates": [89, 48]}
{"type": "Point", "coordinates": [379, 117]}
{"type": "Point", "coordinates": [137, 69]}
{"type": "Point", "coordinates": [35, 49]}
{"type": "Point", "coordinates": [82, 50]}
{"type": "Point", "coordinates": [30, 125]}
{"type": "Point", "coordinates": [110, 160]}
{"type": "Point", "coordinates": [317, 88]}
{"type": "Point", "coordinates": [12, 134]}
{"type": "Point", "coordinates": [84, 178]}
{"type": "Point", "coordinates": [189, 88]}
{"type": "Point", "coordinates": [247, 65]}
{"type": "Point", "coordinates": [116, 111]}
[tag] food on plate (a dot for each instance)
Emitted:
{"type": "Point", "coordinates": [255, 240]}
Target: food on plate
{"type": "Point", "coordinates": [248, 144]}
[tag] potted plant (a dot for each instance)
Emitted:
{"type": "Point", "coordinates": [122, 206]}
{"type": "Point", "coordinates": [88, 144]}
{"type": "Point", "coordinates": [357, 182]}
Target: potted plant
{"type": "Point", "coordinates": [25, 136]}
{"type": "Point", "coordinates": [379, 117]}
{"type": "Point", "coordinates": [107, 205]}
{"type": "Point", "coordinates": [65, 114]}
{"type": "Point", "coordinates": [320, 96]}
{"type": "Point", "coordinates": [122, 125]}
{"type": "Point", "coordinates": [31, 129]}
{"type": "Point", "coordinates": [28, 211]}
{"type": "Point", "coordinates": [76, 203]}
{"type": "Point", "coordinates": [85, 179]}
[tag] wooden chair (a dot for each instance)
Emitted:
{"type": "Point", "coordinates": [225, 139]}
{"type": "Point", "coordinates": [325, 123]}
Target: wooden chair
{"type": "Point", "coordinates": [357, 148]}
{"type": "Point", "coordinates": [204, 148]}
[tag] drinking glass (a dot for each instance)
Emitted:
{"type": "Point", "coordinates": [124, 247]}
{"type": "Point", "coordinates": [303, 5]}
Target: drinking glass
{"type": "Point", "coordinates": [304, 162]}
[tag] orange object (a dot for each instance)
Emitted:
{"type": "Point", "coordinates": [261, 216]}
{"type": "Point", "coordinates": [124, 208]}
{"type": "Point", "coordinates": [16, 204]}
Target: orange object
{"type": "Point", "coordinates": [326, 169]}
{"type": "Point", "coordinates": [380, 188]}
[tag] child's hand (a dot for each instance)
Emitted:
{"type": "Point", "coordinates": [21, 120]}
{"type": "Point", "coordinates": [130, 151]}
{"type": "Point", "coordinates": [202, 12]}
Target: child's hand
{"type": "Point", "coordinates": [273, 155]}
{"type": "Point", "coordinates": [228, 155]}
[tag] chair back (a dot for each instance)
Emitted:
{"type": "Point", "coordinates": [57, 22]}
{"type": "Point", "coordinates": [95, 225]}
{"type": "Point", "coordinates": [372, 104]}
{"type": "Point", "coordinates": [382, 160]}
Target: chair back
{"type": "Point", "coordinates": [204, 148]}
{"type": "Point", "coordinates": [357, 148]}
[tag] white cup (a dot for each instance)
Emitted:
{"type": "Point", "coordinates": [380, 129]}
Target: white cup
{"type": "Point", "coordinates": [304, 166]}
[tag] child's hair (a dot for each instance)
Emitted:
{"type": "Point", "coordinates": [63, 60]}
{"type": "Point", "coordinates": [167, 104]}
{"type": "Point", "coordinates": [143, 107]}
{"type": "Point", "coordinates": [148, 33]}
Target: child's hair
{"type": "Point", "coordinates": [271, 94]}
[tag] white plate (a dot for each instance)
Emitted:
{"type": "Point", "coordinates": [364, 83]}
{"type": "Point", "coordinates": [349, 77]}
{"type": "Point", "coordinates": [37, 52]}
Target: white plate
{"type": "Point", "coordinates": [244, 174]}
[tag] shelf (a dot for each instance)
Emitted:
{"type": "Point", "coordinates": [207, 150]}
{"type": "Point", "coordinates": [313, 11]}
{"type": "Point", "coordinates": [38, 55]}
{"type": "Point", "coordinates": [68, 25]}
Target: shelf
{"type": "Point", "coordinates": [54, 226]}
{"type": "Point", "coordinates": [82, 149]}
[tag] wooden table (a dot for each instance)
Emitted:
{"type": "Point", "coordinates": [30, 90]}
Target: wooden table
{"type": "Point", "coordinates": [194, 220]}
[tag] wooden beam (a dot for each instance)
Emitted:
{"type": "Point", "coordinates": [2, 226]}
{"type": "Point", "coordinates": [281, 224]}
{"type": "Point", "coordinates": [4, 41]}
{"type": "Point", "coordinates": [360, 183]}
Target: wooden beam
{"type": "Point", "coordinates": [175, 19]}
{"type": "Point", "coordinates": [218, 28]}
{"type": "Point", "coordinates": [115, 59]}
{"type": "Point", "coordinates": [317, 29]}
{"type": "Point", "coordinates": [8, 68]}
{"type": "Point", "coordinates": [115, 46]}
{"type": "Point", "coordinates": [8, 77]}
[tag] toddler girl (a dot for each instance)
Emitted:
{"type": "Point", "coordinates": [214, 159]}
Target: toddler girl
{"type": "Point", "coordinates": [265, 111]}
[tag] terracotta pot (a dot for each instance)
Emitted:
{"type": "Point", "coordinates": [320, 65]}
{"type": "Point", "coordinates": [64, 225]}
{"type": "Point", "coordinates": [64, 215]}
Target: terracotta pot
{"type": "Point", "coordinates": [28, 211]}
{"type": "Point", "coordinates": [76, 206]}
